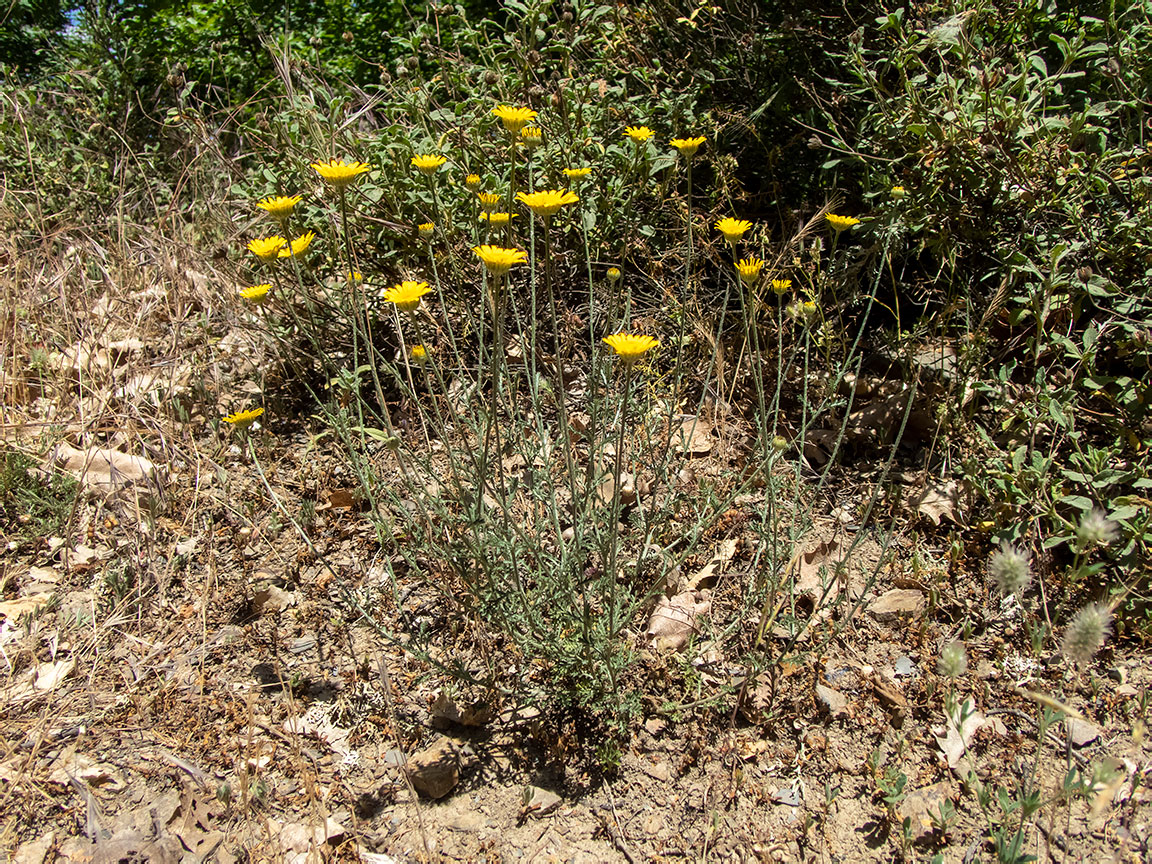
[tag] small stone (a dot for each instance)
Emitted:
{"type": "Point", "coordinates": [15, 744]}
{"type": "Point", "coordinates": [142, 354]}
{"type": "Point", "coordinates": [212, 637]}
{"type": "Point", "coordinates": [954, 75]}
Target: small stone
{"type": "Point", "coordinates": [897, 602]}
{"type": "Point", "coordinates": [435, 771]}
{"type": "Point", "coordinates": [34, 851]}
{"type": "Point", "coordinates": [1118, 674]}
{"type": "Point", "coordinates": [832, 701]}
{"type": "Point", "coordinates": [539, 801]}
{"type": "Point", "coordinates": [468, 822]}
{"type": "Point", "coordinates": [657, 771]}
{"type": "Point", "coordinates": [921, 805]}
{"type": "Point", "coordinates": [1082, 732]}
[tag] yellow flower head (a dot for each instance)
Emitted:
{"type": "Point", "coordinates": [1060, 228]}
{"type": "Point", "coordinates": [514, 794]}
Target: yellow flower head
{"type": "Point", "coordinates": [808, 310]}
{"type": "Point", "coordinates": [426, 229]}
{"type": "Point", "coordinates": [733, 229]}
{"type": "Point", "coordinates": [577, 173]}
{"type": "Point", "coordinates": [514, 119]}
{"type": "Point", "coordinates": [428, 163]}
{"type": "Point", "coordinates": [498, 218]}
{"type": "Point", "coordinates": [899, 192]}
{"type": "Point", "coordinates": [355, 276]}
{"type": "Point", "coordinates": [749, 270]}
{"type": "Point", "coordinates": [531, 137]}
{"type": "Point", "coordinates": [256, 294]}
{"type": "Point", "coordinates": [266, 247]}
{"type": "Point", "coordinates": [280, 207]}
{"type": "Point", "coordinates": [547, 203]}
{"type": "Point", "coordinates": [688, 146]}
{"type": "Point", "coordinates": [297, 246]}
{"type": "Point", "coordinates": [499, 260]}
{"type": "Point", "coordinates": [630, 347]}
{"type": "Point", "coordinates": [339, 173]}
{"type": "Point", "coordinates": [639, 134]}
{"type": "Point", "coordinates": [489, 200]}
{"type": "Point", "coordinates": [418, 354]}
{"type": "Point", "coordinates": [407, 295]}
{"type": "Point", "coordinates": [472, 181]}
{"type": "Point", "coordinates": [244, 419]}
{"type": "Point", "coordinates": [839, 223]}
{"type": "Point", "coordinates": [781, 286]}
{"type": "Point", "coordinates": [613, 274]}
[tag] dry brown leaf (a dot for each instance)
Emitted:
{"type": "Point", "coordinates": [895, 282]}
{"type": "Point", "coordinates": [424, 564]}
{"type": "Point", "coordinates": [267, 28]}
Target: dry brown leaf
{"type": "Point", "coordinates": [708, 571]}
{"type": "Point", "coordinates": [937, 501]}
{"type": "Point", "coordinates": [11, 610]}
{"type": "Point", "coordinates": [693, 436]}
{"type": "Point", "coordinates": [952, 741]}
{"type": "Point", "coordinates": [674, 620]}
{"type": "Point", "coordinates": [105, 470]}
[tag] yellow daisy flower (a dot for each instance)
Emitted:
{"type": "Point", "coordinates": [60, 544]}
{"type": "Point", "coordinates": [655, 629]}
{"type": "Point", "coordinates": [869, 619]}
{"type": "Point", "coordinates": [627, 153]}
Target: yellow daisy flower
{"type": "Point", "coordinates": [244, 419]}
{"type": "Point", "coordinates": [339, 173]}
{"type": "Point", "coordinates": [418, 354]}
{"type": "Point", "coordinates": [428, 163]}
{"type": "Point", "coordinates": [630, 347]}
{"type": "Point", "coordinates": [639, 134]}
{"type": "Point", "coordinates": [531, 137]}
{"type": "Point", "coordinates": [613, 274]}
{"type": "Point", "coordinates": [688, 146]}
{"type": "Point", "coordinates": [498, 218]}
{"type": "Point", "coordinates": [297, 246]}
{"type": "Point", "coordinates": [472, 181]}
{"type": "Point", "coordinates": [266, 247]}
{"type": "Point", "coordinates": [732, 229]}
{"type": "Point", "coordinates": [839, 223]}
{"type": "Point", "coordinates": [281, 206]}
{"type": "Point", "coordinates": [426, 229]}
{"type": "Point", "coordinates": [489, 200]}
{"type": "Point", "coordinates": [355, 276]}
{"type": "Point", "coordinates": [499, 260]}
{"type": "Point", "coordinates": [781, 286]}
{"type": "Point", "coordinates": [899, 192]}
{"type": "Point", "coordinates": [577, 173]}
{"type": "Point", "coordinates": [749, 270]}
{"type": "Point", "coordinates": [547, 203]}
{"type": "Point", "coordinates": [256, 294]}
{"type": "Point", "coordinates": [514, 119]}
{"type": "Point", "coordinates": [407, 295]}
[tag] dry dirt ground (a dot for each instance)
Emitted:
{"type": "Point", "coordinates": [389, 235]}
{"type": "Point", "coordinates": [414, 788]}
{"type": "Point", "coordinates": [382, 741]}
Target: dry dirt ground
{"type": "Point", "coordinates": [183, 678]}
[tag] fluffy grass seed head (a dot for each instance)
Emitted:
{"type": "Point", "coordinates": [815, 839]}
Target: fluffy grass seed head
{"type": "Point", "coordinates": [280, 206]}
{"type": "Point", "coordinates": [531, 137]}
{"type": "Point", "coordinates": [243, 419]}
{"type": "Point", "coordinates": [546, 204]}
{"type": "Point", "coordinates": [577, 173]}
{"type": "Point", "coordinates": [630, 347]}
{"type": "Point", "coordinates": [426, 230]}
{"type": "Point", "coordinates": [266, 248]}
{"type": "Point", "coordinates": [749, 270]}
{"type": "Point", "coordinates": [257, 294]}
{"type": "Point", "coordinates": [428, 163]}
{"type": "Point", "coordinates": [489, 201]}
{"type": "Point", "coordinates": [687, 146]}
{"type": "Point", "coordinates": [514, 119]}
{"type": "Point", "coordinates": [407, 294]}
{"type": "Point", "coordinates": [1008, 568]}
{"type": "Point", "coordinates": [781, 286]}
{"type": "Point", "coordinates": [298, 246]}
{"type": "Point", "coordinates": [840, 223]}
{"type": "Point", "coordinates": [1086, 634]}
{"type": "Point", "coordinates": [1095, 529]}
{"type": "Point", "coordinates": [732, 229]}
{"type": "Point", "coordinates": [639, 134]}
{"type": "Point", "coordinates": [613, 274]}
{"type": "Point", "coordinates": [339, 173]}
{"type": "Point", "coordinates": [496, 219]}
{"type": "Point", "coordinates": [499, 260]}
{"type": "Point", "coordinates": [472, 182]}
{"type": "Point", "coordinates": [953, 661]}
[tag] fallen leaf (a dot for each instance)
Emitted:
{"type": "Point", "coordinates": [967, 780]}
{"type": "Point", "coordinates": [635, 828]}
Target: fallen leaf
{"type": "Point", "coordinates": [693, 436]}
{"type": "Point", "coordinates": [707, 573]}
{"type": "Point", "coordinates": [952, 741]}
{"type": "Point", "coordinates": [11, 610]}
{"type": "Point", "coordinates": [937, 501]}
{"type": "Point", "coordinates": [674, 620]}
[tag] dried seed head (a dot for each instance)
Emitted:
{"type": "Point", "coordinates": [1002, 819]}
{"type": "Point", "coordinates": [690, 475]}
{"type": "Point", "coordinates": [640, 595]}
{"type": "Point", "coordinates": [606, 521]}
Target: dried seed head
{"type": "Point", "coordinates": [1086, 634]}
{"type": "Point", "coordinates": [1008, 568]}
{"type": "Point", "coordinates": [953, 660]}
{"type": "Point", "coordinates": [1095, 529]}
